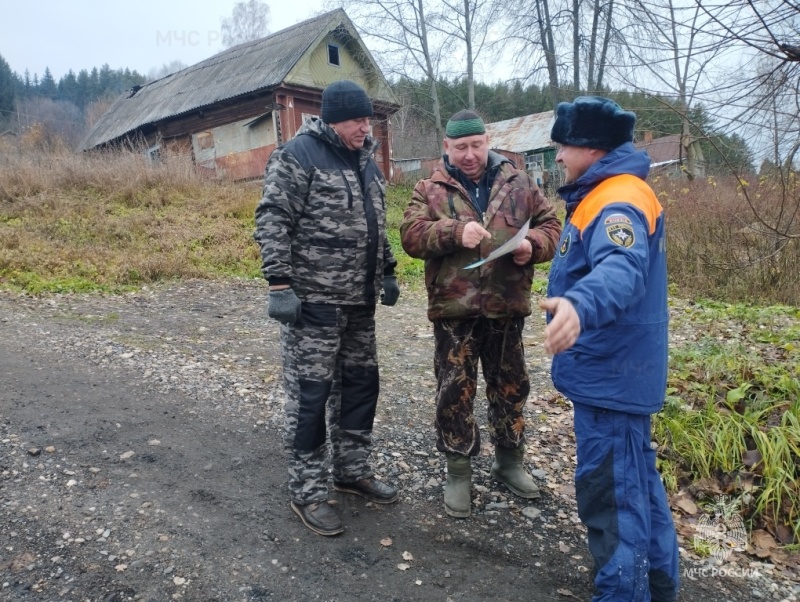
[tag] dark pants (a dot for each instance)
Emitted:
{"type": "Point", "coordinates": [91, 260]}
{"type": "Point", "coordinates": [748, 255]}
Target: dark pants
{"type": "Point", "coordinates": [622, 502]}
{"type": "Point", "coordinates": [497, 345]}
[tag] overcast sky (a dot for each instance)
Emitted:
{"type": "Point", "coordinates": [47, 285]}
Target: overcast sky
{"type": "Point", "coordinates": [140, 35]}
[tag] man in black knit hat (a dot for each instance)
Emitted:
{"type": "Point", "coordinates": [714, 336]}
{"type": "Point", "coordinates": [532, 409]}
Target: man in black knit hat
{"type": "Point", "coordinates": [475, 201]}
{"type": "Point", "coordinates": [321, 226]}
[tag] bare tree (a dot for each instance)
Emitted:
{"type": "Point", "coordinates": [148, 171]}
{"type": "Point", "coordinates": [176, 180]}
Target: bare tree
{"type": "Point", "coordinates": [471, 22]}
{"type": "Point", "coordinates": [671, 51]}
{"type": "Point", "coordinates": [165, 70]}
{"type": "Point", "coordinates": [407, 42]}
{"type": "Point", "coordinates": [585, 29]}
{"type": "Point", "coordinates": [249, 21]}
{"type": "Point", "coordinates": [54, 121]}
{"type": "Point", "coordinates": [602, 24]}
{"type": "Point", "coordinates": [764, 92]}
{"type": "Point", "coordinates": [532, 27]}
{"type": "Point", "coordinates": [766, 95]}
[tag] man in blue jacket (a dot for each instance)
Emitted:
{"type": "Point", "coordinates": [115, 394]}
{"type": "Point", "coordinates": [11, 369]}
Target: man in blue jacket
{"type": "Point", "coordinates": [607, 332]}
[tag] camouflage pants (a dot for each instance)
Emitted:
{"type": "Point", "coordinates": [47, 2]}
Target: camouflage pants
{"type": "Point", "coordinates": [460, 345]}
{"type": "Point", "coordinates": [330, 372]}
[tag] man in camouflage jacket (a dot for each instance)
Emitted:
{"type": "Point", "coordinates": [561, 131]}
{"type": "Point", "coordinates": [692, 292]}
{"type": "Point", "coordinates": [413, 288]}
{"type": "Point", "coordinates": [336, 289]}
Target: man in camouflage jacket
{"type": "Point", "coordinates": [474, 202]}
{"type": "Point", "coordinates": [321, 226]}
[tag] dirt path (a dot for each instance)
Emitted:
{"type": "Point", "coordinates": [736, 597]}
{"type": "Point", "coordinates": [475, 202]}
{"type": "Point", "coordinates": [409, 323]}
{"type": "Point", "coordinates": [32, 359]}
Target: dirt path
{"type": "Point", "coordinates": [140, 459]}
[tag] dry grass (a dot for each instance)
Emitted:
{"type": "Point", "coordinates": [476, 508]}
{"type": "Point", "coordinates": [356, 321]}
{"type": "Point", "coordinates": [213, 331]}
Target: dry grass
{"type": "Point", "coordinates": [733, 241]}
{"type": "Point", "coordinates": [114, 220]}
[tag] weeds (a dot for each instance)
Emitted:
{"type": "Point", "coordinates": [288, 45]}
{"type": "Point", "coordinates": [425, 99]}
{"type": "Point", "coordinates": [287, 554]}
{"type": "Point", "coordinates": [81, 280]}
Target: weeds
{"type": "Point", "coordinates": [732, 416]}
{"type": "Point", "coordinates": [115, 221]}
{"type": "Point", "coordinates": [720, 246]}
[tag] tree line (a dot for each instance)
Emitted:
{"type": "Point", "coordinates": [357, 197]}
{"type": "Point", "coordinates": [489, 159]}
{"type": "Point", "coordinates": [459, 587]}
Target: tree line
{"type": "Point", "coordinates": [81, 89]}
{"type": "Point", "coordinates": [414, 132]}
{"type": "Point", "coordinates": [66, 106]}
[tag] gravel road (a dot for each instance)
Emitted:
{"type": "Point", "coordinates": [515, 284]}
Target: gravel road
{"type": "Point", "coordinates": [140, 459]}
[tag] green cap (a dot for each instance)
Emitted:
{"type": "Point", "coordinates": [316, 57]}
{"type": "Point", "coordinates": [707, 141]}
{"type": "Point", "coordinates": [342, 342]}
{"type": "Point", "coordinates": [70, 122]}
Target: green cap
{"type": "Point", "coordinates": [465, 123]}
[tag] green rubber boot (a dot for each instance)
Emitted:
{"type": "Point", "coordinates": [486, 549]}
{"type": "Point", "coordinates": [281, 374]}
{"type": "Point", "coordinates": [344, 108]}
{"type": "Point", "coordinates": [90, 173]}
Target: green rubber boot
{"type": "Point", "coordinates": [459, 483]}
{"type": "Point", "coordinates": [510, 471]}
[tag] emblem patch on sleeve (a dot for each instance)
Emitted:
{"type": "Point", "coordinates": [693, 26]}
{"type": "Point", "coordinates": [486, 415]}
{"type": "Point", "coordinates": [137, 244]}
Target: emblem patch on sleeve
{"type": "Point", "coordinates": [565, 243]}
{"type": "Point", "coordinates": [620, 230]}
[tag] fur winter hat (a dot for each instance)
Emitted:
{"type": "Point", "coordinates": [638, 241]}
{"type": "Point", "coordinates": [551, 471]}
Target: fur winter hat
{"type": "Point", "coordinates": [344, 100]}
{"type": "Point", "coordinates": [465, 123]}
{"type": "Point", "coordinates": [593, 122]}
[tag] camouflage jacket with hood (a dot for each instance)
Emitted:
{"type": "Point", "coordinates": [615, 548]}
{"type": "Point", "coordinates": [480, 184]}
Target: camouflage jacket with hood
{"type": "Point", "coordinates": [321, 223]}
{"type": "Point", "coordinates": [433, 224]}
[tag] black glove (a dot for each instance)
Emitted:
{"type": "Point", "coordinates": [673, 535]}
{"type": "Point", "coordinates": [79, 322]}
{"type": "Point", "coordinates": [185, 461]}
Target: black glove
{"type": "Point", "coordinates": [284, 306]}
{"type": "Point", "coordinates": [391, 292]}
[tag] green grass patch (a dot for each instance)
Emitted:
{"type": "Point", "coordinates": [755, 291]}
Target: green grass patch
{"type": "Point", "coordinates": [732, 415]}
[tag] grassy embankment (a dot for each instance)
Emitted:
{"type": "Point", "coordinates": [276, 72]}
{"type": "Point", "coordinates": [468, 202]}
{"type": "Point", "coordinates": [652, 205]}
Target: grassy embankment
{"type": "Point", "coordinates": [111, 223]}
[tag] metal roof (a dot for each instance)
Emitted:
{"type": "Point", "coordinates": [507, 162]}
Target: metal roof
{"type": "Point", "coordinates": [521, 134]}
{"type": "Point", "coordinates": [662, 150]}
{"type": "Point", "coordinates": [245, 68]}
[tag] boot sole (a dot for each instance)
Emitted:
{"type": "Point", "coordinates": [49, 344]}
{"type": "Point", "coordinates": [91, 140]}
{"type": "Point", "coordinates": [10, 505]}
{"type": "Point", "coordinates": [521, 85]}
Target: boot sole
{"type": "Point", "coordinates": [314, 528]}
{"type": "Point", "coordinates": [535, 495]}
{"type": "Point", "coordinates": [369, 498]}
{"type": "Point", "coordinates": [456, 513]}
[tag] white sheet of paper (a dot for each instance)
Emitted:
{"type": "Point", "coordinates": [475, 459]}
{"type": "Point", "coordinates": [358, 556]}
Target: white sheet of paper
{"type": "Point", "coordinates": [509, 246]}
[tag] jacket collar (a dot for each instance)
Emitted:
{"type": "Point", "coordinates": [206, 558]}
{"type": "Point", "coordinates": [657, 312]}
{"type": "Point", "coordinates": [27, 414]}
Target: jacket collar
{"type": "Point", "coordinates": [319, 129]}
{"type": "Point", "coordinates": [624, 159]}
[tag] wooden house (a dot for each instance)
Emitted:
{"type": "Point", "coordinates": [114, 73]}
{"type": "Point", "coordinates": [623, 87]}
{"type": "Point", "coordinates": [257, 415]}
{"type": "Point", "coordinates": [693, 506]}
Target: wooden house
{"type": "Point", "coordinates": [231, 110]}
{"type": "Point", "coordinates": [526, 141]}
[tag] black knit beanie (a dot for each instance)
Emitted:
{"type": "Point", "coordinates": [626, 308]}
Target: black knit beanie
{"type": "Point", "coordinates": [465, 123]}
{"type": "Point", "coordinates": [344, 100]}
{"type": "Point", "coordinates": [592, 122]}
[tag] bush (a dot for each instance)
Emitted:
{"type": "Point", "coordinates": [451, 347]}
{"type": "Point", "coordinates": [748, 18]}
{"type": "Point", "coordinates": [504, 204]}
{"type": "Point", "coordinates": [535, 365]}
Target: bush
{"type": "Point", "coordinates": [732, 240]}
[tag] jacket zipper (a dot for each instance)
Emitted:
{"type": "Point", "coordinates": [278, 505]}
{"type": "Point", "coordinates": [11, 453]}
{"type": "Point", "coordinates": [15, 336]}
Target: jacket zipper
{"type": "Point", "coordinates": [349, 190]}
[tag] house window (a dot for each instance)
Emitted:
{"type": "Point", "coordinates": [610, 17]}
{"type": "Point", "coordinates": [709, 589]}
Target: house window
{"type": "Point", "coordinates": [534, 162]}
{"type": "Point", "coordinates": [333, 54]}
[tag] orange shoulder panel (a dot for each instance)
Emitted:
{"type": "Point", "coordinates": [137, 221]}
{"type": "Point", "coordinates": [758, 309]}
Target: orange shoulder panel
{"type": "Point", "coordinates": [624, 188]}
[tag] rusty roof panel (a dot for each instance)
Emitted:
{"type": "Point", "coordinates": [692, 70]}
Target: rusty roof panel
{"type": "Point", "coordinates": [521, 134]}
{"type": "Point", "coordinates": [245, 68]}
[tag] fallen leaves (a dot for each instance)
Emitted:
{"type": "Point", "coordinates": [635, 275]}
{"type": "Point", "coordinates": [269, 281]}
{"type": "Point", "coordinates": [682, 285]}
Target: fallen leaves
{"type": "Point", "coordinates": [408, 557]}
{"type": "Point", "coordinates": [686, 505]}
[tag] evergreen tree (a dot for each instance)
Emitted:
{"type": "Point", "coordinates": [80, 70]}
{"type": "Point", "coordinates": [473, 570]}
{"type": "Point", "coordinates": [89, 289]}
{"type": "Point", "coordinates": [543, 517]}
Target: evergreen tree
{"type": "Point", "coordinates": [67, 86]}
{"type": "Point", "coordinates": [8, 87]}
{"type": "Point", "coordinates": [83, 91]}
{"type": "Point", "coordinates": [47, 87]}
{"type": "Point", "coordinates": [105, 79]}
{"type": "Point", "coordinates": [27, 84]}
{"type": "Point", "coordinates": [94, 84]}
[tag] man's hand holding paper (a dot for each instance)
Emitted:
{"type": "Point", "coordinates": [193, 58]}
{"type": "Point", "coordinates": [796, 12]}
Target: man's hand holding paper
{"type": "Point", "coordinates": [510, 246]}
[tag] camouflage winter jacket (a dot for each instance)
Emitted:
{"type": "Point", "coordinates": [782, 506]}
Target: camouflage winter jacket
{"type": "Point", "coordinates": [432, 227]}
{"type": "Point", "coordinates": [320, 224]}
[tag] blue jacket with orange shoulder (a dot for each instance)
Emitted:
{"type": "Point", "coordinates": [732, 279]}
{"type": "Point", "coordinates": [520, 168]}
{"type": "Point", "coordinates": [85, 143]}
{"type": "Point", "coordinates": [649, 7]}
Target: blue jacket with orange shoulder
{"type": "Point", "coordinates": [611, 264]}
